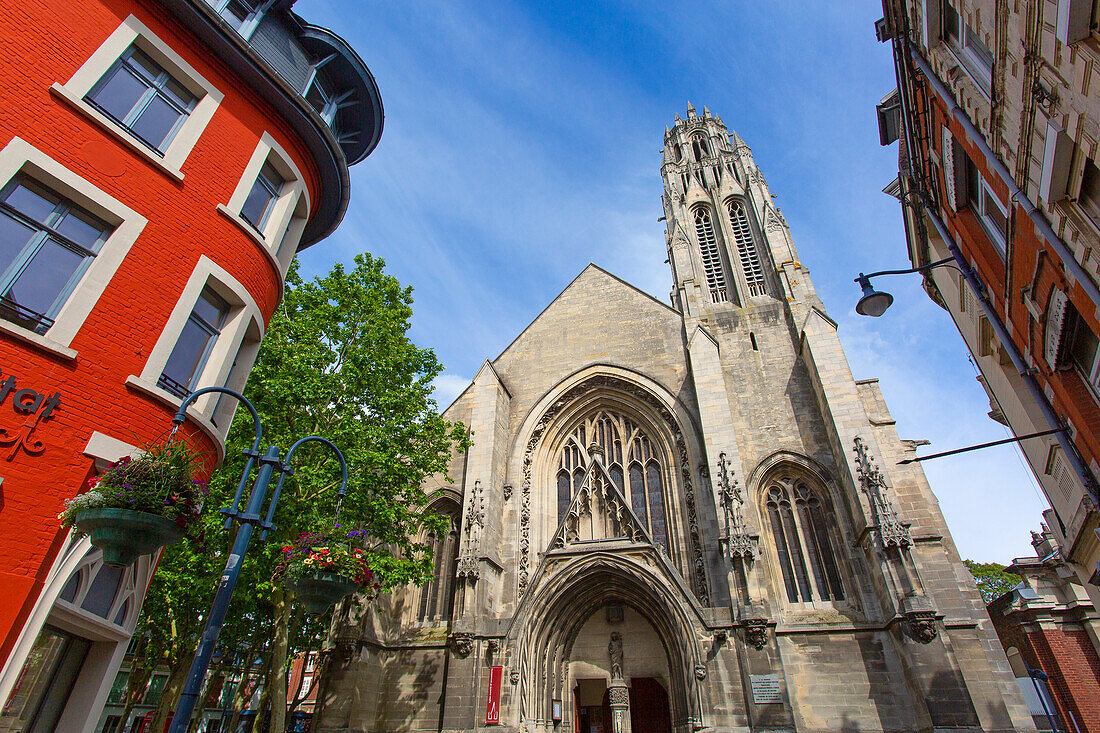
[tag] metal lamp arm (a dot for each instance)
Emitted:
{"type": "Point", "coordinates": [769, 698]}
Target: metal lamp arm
{"type": "Point", "coordinates": [287, 470]}
{"type": "Point", "coordinates": [922, 268]}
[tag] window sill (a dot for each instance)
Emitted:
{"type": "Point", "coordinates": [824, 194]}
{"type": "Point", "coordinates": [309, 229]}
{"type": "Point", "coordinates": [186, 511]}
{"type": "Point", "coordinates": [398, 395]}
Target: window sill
{"type": "Point", "coordinates": [37, 340]}
{"type": "Point", "coordinates": [259, 241]}
{"type": "Point", "coordinates": [114, 130]}
{"type": "Point", "coordinates": [151, 389]}
{"type": "Point", "coordinates": [961, 58]}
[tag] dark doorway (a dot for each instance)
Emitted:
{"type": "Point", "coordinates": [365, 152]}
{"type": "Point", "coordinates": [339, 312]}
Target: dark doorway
{"type": "Point", "coordinates": [649, 711]}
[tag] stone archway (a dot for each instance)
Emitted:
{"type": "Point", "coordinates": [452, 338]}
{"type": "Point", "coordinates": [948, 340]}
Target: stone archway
{"type": "Point", "coordinates": [568, 598]}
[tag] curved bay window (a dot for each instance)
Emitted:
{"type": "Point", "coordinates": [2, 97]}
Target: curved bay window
{"type": "Point", "coordinates": [631, 460]}
{"type": "Point", "coordinates": [799, 521]}
{"type": "Point", "coordinates": [437, 595]}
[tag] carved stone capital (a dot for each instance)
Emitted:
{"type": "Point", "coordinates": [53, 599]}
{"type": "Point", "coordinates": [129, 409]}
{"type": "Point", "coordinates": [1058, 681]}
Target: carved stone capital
{"type": "Point", "coordinates": [920, 618]}
{"type": "Point", "coordinates": [462, 643]}
{"type": "Point", "coordinates": [513, 677]}
{"type": "Point", "coordinates": [700, 671]}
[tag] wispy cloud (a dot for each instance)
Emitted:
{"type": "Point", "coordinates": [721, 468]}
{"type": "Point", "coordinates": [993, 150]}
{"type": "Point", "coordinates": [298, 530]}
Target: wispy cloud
{"type": "Point", "coordinates": [522, 142]}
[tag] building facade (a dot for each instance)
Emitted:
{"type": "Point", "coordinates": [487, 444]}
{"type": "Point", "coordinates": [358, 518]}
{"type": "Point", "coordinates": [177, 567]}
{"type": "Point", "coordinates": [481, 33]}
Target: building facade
{"type": "Point", "coordinates": [677, 518]}
{"type": "Point", "coordinates": [999, 121]}
{"type": "Point", "coordinates": [160, 164]}
{"type": "Point", "coordinates": [1050, 631]}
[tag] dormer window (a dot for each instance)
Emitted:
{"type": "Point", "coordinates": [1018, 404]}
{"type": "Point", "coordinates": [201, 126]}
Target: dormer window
{"type": "Point", "coordinates": [320, 97]}
{"type": "Point", "coordinates": [242, 15]}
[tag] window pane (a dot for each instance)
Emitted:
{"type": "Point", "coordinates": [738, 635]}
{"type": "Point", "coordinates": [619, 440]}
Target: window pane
{"type": "Point", "coordinates": [32, 202]}
{"type": "Point", "coordinates": [145, 65]}
{"type": "Point", "coordinates": [120, 94]}
{"type": "Point", "coordinates": [14, 237]}
{"type": "Point", "coordinates": [784, 553]}
{"type": "Point", "coordinates": [68, 593]}
{"type": "Point", "coordinates": [992, 210]}
{"type": "Point", "coordinates": [1089, 200]}
{"type": "Point", "coordinates": [156, 687]}
{"type": "Point", "coordinates": [656, 503]}
{"type": "Point", "coordinates": [211, 309]}
{"type": "Point", "coordinates": [1084, 345]}
{"type": "Point", "coordinates": [564, 495]}
{"type": "Point", "coordinates": [155, 123]}
{"type": "Point", "coordinates": [45, 682]}
{"type": "Point", "coordinates": [81, 228]}
{"type": "Point", "coordinates": [637, 493]}
{"type": "Point", "coordinates": [45, 279]}
{"type": "Point", "coordinates": [101, 594]}
{"type": "Point", "coordinates": [189, 354]}
{"type": "Point", "coordinates": [951, 23]}
{"type": "Point", "coordinates": [979, 49]}
{"type": "Point", "coordinates": [255, 208]}
{"type": "Point", "coordinates": [178, 93]}
{"type": "Point", "coordinates": [236, 13]}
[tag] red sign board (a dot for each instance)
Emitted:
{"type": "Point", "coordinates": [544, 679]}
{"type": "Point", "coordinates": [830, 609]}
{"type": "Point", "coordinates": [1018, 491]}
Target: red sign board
{"type": "Point", "coordinates": [492, 707]}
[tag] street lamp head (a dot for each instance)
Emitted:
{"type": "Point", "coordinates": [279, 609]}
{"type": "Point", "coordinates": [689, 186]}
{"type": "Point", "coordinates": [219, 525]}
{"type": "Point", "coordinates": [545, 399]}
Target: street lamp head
{"type": "Point", "coordinates": [873, 303]}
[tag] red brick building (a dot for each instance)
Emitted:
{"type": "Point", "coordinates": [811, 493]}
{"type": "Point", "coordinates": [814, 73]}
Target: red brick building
{"type": "Point", "coordinates": [160, 164]}
{"type": "Point", "coordinates": [998, 117]}
{"type": "Point", "coordinates": [1049, 628]}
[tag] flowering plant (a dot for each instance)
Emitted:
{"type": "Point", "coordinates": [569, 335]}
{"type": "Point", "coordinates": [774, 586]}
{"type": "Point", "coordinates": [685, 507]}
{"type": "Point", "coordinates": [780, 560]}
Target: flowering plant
{"type": "Point", "coordinates": [334, 552]}
{"type": "Point", "coordinates": [157, 481]}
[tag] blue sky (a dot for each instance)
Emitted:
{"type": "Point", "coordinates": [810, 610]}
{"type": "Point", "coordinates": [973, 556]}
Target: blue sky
{"type": "Point", "coordinates": [522, 142]}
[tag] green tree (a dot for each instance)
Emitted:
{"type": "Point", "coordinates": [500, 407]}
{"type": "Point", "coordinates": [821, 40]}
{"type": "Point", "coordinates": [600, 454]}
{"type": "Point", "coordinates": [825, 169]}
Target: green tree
{"type": "Point", "coordinates": [337, 362]}
{"type": "Point", "coordinates": [992, 578]}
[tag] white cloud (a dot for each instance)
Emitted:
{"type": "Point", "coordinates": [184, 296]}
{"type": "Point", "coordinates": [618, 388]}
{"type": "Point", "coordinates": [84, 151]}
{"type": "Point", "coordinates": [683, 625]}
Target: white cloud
{"type": "Point", "coordinates": [447, 388]}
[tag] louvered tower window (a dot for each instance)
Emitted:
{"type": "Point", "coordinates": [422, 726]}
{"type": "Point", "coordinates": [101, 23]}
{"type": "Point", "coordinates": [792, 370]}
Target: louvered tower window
{"type": "Point", "coordinates": [746, 247]}
{"type": "Point", "coordinates": [712, 257]}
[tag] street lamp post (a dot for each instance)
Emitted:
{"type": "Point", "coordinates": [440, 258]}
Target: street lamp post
{"type": "Point", "coordinates": [873, 303]}
{"type": "Point", "coordinates": [270, 463]}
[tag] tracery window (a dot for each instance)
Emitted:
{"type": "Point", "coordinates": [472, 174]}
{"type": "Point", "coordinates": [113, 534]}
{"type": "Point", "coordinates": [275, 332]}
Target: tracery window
{"type": "Point", "coordinates": [632, 461]}
{"type": "Point", "coordinates": [699, 147]}
{"type": "Point", "coordinates": [712, 256]}
{"type": "Point", "coordinates": [437, 595]}
{"type": "Point", "coordinates": [746, 246]}
{"type": "Point", "coordinates": [799, 521]}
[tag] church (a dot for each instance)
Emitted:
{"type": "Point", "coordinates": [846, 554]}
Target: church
{"type": "Point", "coordinates": [683, 517]}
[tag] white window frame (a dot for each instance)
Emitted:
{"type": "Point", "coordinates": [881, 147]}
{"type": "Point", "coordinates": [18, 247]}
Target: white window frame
{"type": "Point", "coordinates": [986, 194]}
{"type": "Point", "coordinates": [282, 230]}
{"type": "Point", "coordinates": [230, 359]}
{"type": "Point", "coordinates": [962, 49]}
{"type": "Point", "coordinates": [248, 27]}
{"type": "Point", "coordinates": [20, 157]}
{"type": "Point", "coordinates": [133, 32]}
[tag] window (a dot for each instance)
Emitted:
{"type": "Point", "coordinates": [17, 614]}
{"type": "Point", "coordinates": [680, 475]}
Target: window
{"type": "Point", "coordinates": [632, 461]}
{"type": "Point", "coordinates": [320, 97]}
{"type": "Point", "coordinates": [46, 244]}
{"type": "Point", "coordinates": [1083, 351]}
{"type": "Point", "coordinates": [746, 247]}
{"type": "Point", "coordinates": [155, 689]}
{"type": "Point", "coordinates": [307, 682]}
{"type": "Point", "coordinates": [45, 682]}
{"type": "Point", "coordinates": [992, 214]}
{"type": "Point", "coordinates": [242, 15]}
{"type": "Point", "coordinates": [437, 595]}
{"type": "Point", "coordinates": [800, 523]}
{"type": "Point", "coordinates": [712, 256]}
{"type": "Point", "coordinates": [1089, 198]}
{"type": "Point", "coordinates": [194, 344]}
{"type": "Point", "coordinates": [143, 94]}
{"type": "Point", "coordinates": [144, 98]}
{"type": "Point", "coordinates": [261, 199]}
{"type": "Point", "coordinates": [974, 55]}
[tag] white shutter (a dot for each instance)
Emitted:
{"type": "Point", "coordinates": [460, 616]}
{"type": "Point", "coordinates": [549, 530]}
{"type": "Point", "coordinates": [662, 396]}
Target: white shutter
{"type": "Point", "coordinates": [1057, 156]}
{"type": "Point", "coordinates": [1055, 327]}
{"type": "Point", "coordinates": [1074, 17]}
{"type": "Point", "coordinates": [949, 169]}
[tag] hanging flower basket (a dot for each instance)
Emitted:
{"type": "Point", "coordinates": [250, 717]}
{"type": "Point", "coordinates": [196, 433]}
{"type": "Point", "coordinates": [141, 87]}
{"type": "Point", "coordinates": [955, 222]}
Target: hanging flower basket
{"type": "Point", "coordinates": [138, 505]}
{"type": "Point", "coordinates": [321, 568]}
{"type": "Point", "coordinates": [124, 535]}
{"type": "Point", "coordinates": [317, 592]}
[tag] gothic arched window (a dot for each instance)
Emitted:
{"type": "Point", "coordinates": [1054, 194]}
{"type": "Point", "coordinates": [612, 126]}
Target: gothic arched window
{"type": "Point", "coordinates": [746, 246]}
{"type": "Point", "coordinates": [799, 522]}
{"type": "Point", "coordinates": [437, 595]}
{"type": "Point", "coordinates": [712, 256]}
{"type": "Point", "coordinates": [630, 458]}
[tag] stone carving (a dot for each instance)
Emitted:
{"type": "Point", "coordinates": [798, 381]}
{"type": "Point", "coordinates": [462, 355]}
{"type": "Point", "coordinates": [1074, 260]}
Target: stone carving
{"type": "Point", "coordinates": [740, 543]}
{"type": "Point", "coordinates": [513, 676]}
{"type": "Point", "coordinates": [892, 532]}
{"type": "Point", "coordinates": [615, 652]}
{"type": "Point", "coordinates": [492, 646]}
{"type": "Point", "coordinates": [608, 382]}
{"type": "Point", "coordinates": [468, 566]}
{"type": "Point", "coordinates": [700, 672]}
{"type": "Point", "coordinates": [618, 697]}
{"type": "Point", "coordinates": [507, 491]}
{"type": "Point", "coordinates": [720, 637]}
{"type": "Point", "coordinates": [922, 624]}
{"type": "Point", "coordinates": [462, 643]}
{"type": "Point", "coordinates": [599, 500]}
{"type": "Point", "coordinates": [756, 632]}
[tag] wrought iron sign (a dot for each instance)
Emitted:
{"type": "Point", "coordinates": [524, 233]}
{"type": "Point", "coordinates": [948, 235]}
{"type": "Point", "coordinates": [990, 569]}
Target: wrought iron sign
{"type": "Point", "coordinates": [36, 406]}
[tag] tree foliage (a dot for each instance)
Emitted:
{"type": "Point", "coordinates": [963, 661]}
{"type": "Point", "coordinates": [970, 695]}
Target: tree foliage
{"type": "Point", "coordinates": [992, 578]}
{"type": "Point", "coordinates": [336, 362]}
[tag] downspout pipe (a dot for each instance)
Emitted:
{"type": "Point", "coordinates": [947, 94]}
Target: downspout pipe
{"type": "Point", "coordinates": [1072, 266]}
{"type": "Point", "coordinates": [1025, 372]}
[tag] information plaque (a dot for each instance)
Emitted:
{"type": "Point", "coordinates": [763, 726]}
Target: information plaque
{"type": "Point", "coordinates": [765, 688]}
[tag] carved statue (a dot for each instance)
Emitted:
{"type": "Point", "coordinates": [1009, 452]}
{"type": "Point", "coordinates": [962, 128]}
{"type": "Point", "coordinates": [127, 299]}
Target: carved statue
{"type": "Point", "coordinates": [615, 651]}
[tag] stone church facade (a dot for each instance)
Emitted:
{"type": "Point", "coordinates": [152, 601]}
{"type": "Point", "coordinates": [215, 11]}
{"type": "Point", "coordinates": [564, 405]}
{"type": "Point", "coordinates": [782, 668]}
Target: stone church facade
{"type": "Point", "coordinates": [681, 518]}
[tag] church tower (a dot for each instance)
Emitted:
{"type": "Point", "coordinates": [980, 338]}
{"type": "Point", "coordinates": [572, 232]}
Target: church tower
{"type": "Point", "coordinates": [680, 518]}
